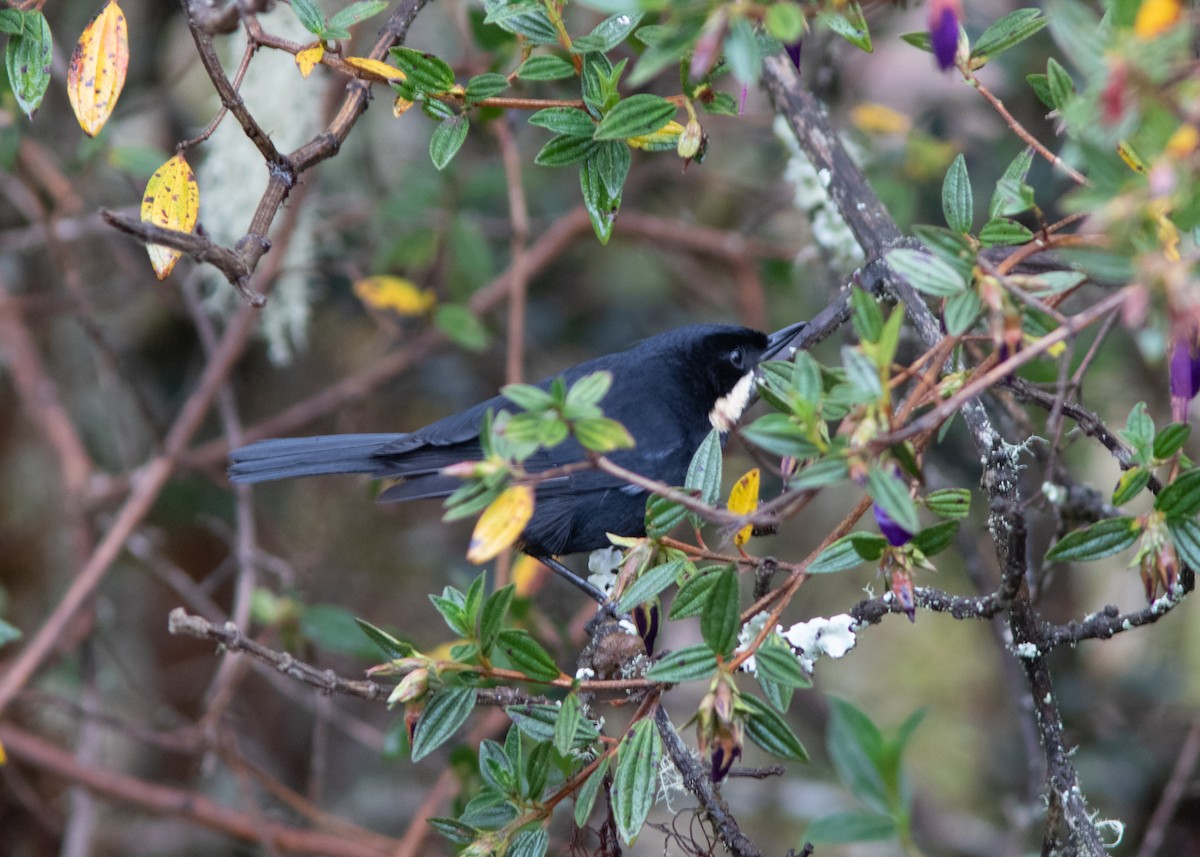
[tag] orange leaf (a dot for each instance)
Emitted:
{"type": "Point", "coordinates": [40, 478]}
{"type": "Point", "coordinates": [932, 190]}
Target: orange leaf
{"type": "Point", "coordinates": [172, 201]}
{"type": "Point", "coordinates": [96, 73]}
{"type": "Point", "coordinates": [501, 523]}
{"type": "Point", "coordinates": [376, 68]}
{"type": "Point", "coordinates": [308, 58]}
{"type": "Point", "coordinates": [395, 293]}
{"type": "Point", "coordinates": [743, 500]}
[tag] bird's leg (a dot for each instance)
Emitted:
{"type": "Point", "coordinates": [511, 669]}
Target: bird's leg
{"type": "Point", "coordinates": [572, 578]}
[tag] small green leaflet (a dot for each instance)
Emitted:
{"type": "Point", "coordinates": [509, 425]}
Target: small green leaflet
{"type": "Point", "coordinates": [635, 782]}
{"type": "Point", "coordinates": [446, 711]}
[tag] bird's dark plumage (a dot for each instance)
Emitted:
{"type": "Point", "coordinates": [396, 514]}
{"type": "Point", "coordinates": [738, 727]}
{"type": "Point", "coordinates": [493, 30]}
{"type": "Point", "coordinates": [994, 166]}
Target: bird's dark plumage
{"type": "Point", "coordinates": [669, 391]}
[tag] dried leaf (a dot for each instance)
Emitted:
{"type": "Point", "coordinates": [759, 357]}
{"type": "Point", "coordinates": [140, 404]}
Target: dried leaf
{"type": "Point", "coordinates": [501, 523]}
{"type": "Point", "coordinates": [308, 58]}
{"type": "Point", "coordinates": [400, 106]}
{"type": "Point", "coordinates": [743, 500]}
{"type": "Point", "coordinates": [376, 68]}
{"type": "Point", "coordinates": [96, 73]}
{"type": "Point", "coordinates": [395, 293]}
{"type": "Point", "coordinates": [172, 201]}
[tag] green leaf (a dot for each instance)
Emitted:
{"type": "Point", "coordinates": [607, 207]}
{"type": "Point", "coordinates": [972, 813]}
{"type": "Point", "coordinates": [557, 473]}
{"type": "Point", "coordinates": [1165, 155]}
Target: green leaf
{"type": "Point", "coordinates": [785, 21]}
{"type": "Point", "coordinates": [526, 18]}
{"type": "Point", "coordinates": [848, 551]}
{"type": "Point", "coordinates": [1139, 430]}
{"type": "Point", "coordinates": [462, 326]}
{"type": "Point", "coordinates": [692, 595]}
{"type": "Point", "coordinates": [356, 12]}
{"type": "Point", "coordinates": [492, 616]}
{"type": "Point", "coordinates": [1101, 539]}
{"type": "Point", "coordinates": [545, 67]}
{"type": "Point", "coordinates": [768, 730]}
{"type": "Point", "coordinates": [608, 33]}
{"type": "Point", "coordinates": [570, 121]}
{"type": "Point", "coordinates": [1170, 440]}
{"type": "Point", "coordinates": [925, 273]}
{"type": "Point", "coordinates": [855, 745]}
{"type": "Point", "coordinates": [687, 664]}
{"type": "Point", "coordinates": [601, 434]}
{"type": "Point", "coordinates": [949, 502]}
{"type": "Point", "coordinates": [704, 470]}
{"type": "Point", "coordinates": [8, 633]}
{"type": "Point", "coordinates": [611, 160]}
{"type": "Point", "coordinates": [528, 397]}
{"type": "Point", "coordinates": [12, 21]}
{"type": "Point", "coordinates": [486, 85]}
{"type": "Point", "coordinates": [310, 16]}
{"type": "Point", "coordinates": [891, 493]}
{"type": "Point", "coordinates": [719, 622]}
{"type": "Point", "coordinates": [776, 660]}
{"type": "Point", "coordinates": [496, 768]}
{"type": "Point", "coordinates": [866, 315]}
{"type": "Point", "coordinates": [389, 645]}
{"type": "Point", "coordinates": [537, 720]}
{"type": "Point", "coordinates": [818, 474]}
{"type": "Point", "coordinates": [778, 435]}
{"type": "Point", "coordinates": [1061, 87]}
{"type": "Point", "coordinates": [447, 139]}
{"type": "Point", "coordinates": [333, 628]}
{"type": "Point", "coordinates": [27, 60]}
{"type": "Point", "coordinates": [1185, 535]}
{"type": "Point", "coordinates": [634, 116]}
{"type": "Point", "coordinates": [1130, 484]}
{"type": "Point", "coordinates": [425, 73]}
{"type": "Point", "coordinates": [1012, 29]}
{"type": "Point", "coordinates": [598, 83]}
{"type": "Point", "coordinates": [1040, 84]}
{"type": "Point", "coordinates": [861, 373]}
{"type": "Point", "coordinates": [567, 724]}
{"type": "Point", "coordinates": [527, 655]}
{"type": "Point", "coordinates": [651, 583]}
{"type": "Point", "coordinates": [450, 605]}
{"type": "Point", "coordinates": [601, 206]}
{"type": "Point", "coordinates": [920, 41]}
{"type": "Point", "coordinates": [1012, 195]}
{"type": "Point", "coordinates": [529, 843]}
{"type": "Point", "coordinates": [850, 24]}
{"type": "Point", "coordinates": [935, 539]}
{"type": "Point", "coordinates": [741, 52]}
{"type": "Point", "coordinates": [1002, 232]}
{"type": "Point", "coordinates": [662, 516]}
{"type": "Point", "coordinates": [446, 710]}
{"type": "Point", "coordinates": [957, 203]}
{"type": "Point", "coordinates": [585, 798]}
{"type": "Point", "coordinates": [953, 248]}
{"type": "Point", "coordinates": [1181, 499]}
{"type": "Point", "coordinates": [961, 312]}
{"type": "Point", "coordinates": [454, 830]}
{"type": "Point", "coordinates": [847, 827]}
{"type": "Point", "coordinates": [564, 150]}
{"type": "Point", "coordinates": [635, 782]}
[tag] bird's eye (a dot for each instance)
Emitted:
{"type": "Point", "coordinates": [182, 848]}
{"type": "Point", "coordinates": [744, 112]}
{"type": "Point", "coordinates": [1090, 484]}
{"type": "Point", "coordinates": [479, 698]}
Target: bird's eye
{"type": "Point", "coordinates": [738, 358]}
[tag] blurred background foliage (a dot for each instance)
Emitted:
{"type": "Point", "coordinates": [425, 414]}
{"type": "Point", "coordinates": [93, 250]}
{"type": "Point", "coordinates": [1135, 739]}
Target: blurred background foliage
{"type": "Point", "coordinates": [123, 353]}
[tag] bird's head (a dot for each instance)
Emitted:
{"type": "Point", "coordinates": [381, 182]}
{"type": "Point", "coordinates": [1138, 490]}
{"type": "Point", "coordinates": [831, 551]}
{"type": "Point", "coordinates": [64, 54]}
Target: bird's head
{"type": "Point", "coordinates": [722, 361]}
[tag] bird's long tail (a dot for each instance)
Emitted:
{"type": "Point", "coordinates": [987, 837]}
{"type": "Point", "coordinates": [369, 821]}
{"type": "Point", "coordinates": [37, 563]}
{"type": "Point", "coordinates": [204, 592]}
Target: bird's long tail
{"type": "Point", "coordinates": [284, 458]}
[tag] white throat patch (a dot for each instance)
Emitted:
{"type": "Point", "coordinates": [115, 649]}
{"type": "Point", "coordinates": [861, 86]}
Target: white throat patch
{"type": "Point", "coordinates": [729, 408]}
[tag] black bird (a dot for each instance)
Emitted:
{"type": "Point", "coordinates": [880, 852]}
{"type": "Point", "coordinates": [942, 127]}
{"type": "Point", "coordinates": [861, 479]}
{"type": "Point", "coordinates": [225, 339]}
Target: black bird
{"type": "Point", "coordinates": [669, 391]}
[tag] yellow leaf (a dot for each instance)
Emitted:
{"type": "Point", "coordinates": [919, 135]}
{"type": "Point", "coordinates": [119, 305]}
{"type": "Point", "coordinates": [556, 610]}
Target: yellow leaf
{"type": "Point", "coordinates": [743, 500]}
{"type": "Point", "coordinates": [400, 106]}
{"type": "Point", "coordinates": [667, 135]}
{"type": "Point", "coordinates": [172, 201]}
{"type": "Point", "coordinates": [1131, 158]}
{"type": "Point", "coordinates": [528, 574]}
{"type": "Point", "coordinates": [1156, 16]}
{"type": "Point", "coordinates": [877, 119]}
{"type": "Point", "coordinates": [308, 58]}
{"type": "Point", "coordinates": [442, 652]}
{"type": "Point", "coordinates": [395, 293]}
{"type": "Point", "coordinates": [1183, 142]}
{"type": "Point", "coordinates": [1168, 232]}
{"type": "Point", "coordinates": [3, 758]}
{"type": "Point", "coordinates": [501, 523]}
{"type": "Point", "coordinates": [376, 68]}
{"type": "Point", "coordinates": [96, 72]}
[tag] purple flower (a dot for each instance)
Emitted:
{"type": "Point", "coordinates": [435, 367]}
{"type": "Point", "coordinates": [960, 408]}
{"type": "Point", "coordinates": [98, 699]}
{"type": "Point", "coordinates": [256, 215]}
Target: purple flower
{"type": "Point", "coordinates": [793, 52]}
{"type": "Point", "coordinates": [1184, 375]}
{"type": "Point", "coordinates": [944, 17]}
{"type": "Point", "coordinates": [893, 532]}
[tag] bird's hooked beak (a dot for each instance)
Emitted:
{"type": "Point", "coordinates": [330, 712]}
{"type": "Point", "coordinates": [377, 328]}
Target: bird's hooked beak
{"type": "Point", "coordinates": [778, 341]}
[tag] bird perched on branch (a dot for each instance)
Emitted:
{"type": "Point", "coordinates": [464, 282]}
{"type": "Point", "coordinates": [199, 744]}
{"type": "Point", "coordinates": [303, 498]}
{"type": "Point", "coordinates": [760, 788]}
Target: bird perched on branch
{"type": "Point", "coordinates": [669, 391]}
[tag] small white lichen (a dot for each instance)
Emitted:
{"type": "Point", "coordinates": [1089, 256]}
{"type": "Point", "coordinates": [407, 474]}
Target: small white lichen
{"type": "Point", "coordinates": [747, 635]}
{"type": "Point", "coordinates": [603, 564]}
{"type": "Point", "coordinates": [1026, 650]}
{"type": "Point", "coordinates": [584, 674]}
